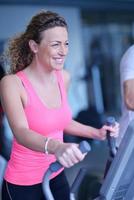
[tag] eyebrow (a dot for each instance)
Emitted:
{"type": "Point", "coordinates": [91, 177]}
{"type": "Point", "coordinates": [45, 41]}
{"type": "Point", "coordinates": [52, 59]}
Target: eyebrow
{"type": "Point", "coordinates": [57, 41]}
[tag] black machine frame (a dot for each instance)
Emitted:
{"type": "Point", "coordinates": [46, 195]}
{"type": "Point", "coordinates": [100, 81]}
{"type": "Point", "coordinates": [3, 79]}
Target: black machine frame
{"type": "Point", "coordinates": [119, 181]}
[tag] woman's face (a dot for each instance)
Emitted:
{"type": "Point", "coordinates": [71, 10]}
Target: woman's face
{"type": "Point", "coordinates": [53, 48]}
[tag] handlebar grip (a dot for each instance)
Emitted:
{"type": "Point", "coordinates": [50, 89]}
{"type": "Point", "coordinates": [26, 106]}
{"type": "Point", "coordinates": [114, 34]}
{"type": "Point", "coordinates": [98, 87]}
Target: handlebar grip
{"type": "Point", "coordinates": [111, 140]}
{"type": "Point", "coordinates": [83, 146]}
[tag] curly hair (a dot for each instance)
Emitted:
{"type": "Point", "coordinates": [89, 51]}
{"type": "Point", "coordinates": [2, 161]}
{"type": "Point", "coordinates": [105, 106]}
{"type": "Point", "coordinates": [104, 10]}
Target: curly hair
{"type": "Point", "coordinates": [18, 53]}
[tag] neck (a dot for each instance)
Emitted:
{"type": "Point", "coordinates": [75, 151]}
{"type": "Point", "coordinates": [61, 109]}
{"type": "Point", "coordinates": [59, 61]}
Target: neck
{"type": "Point", "coordinates": [40, 73]}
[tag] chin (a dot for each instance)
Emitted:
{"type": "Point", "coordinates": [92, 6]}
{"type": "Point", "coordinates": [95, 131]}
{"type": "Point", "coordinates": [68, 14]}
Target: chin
{"type": "Point", "coordinates": [58, 67]}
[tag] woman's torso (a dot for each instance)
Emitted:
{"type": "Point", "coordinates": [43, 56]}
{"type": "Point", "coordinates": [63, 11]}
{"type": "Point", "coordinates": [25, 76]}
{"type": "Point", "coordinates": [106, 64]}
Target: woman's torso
{"type": "Point", "coordinates": [27, 167]}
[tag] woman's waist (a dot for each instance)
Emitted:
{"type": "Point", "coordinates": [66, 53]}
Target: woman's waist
{"type": "Point", "coordinates": [25, 174]}
{"type": "Point", "coordinates": [22, 156]}
{"type": "Point", "coordinates": [35, 159]}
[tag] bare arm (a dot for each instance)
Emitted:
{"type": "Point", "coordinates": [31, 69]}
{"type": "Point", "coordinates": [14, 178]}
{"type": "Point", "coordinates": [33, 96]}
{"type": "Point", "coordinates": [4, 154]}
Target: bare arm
{"type": "Point", "coordinates": [11, 98]}
{"type": "Point", "coordinates": [128, 88]}
{"type": "Point", "coordinates": [79, 129]}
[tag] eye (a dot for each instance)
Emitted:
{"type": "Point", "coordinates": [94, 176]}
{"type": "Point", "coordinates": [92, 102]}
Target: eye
{"type": "Point", "coordinates": [67, 44]}
{"type": "Point", "coordinates": [55, 45]}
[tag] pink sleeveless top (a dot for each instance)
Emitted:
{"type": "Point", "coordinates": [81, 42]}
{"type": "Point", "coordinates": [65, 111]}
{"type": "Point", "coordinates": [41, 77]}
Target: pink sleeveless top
{"type": "Point", "coordinates": [27, 167]}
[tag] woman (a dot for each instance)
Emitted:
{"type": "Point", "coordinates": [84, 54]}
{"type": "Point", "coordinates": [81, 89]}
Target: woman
{"type": "Point", "coordinates": [38, 111]}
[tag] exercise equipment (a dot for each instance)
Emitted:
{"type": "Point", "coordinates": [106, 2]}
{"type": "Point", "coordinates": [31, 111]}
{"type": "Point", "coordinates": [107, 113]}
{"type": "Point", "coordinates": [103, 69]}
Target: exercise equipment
{"type": "Point", "coordinates": [119, 181]}
{"type": "Point", "coordinates": [84, 147]}
{"type": "Point", "coordinates": [111, 144]}
{"type": "Point", "coordinates": [54, 167]}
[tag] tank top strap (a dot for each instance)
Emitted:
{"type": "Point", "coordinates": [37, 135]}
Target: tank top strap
{"type": "Point", "coordinates": [28, 87]}
{"type": "Point", "coordinates": [61, 84]}
{"type": "Point", "coordinates": [24, 79]}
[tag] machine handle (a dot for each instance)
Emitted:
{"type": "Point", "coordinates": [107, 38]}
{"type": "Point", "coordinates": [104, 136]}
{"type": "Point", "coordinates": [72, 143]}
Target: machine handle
{"type": "Point", "coordinates": [77, 182]}
{"type": "Point", "coordinates": [83, 146]}
{"type": "Point", "coordinates": [111, 140]}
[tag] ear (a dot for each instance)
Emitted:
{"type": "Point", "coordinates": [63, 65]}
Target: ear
{"type": "Point", "coordinates": [33, 46]}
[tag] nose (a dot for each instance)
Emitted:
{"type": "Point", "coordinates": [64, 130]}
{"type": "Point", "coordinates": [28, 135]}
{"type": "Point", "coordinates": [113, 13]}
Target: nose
{"type": "Point", "coordinates": [63, 50]}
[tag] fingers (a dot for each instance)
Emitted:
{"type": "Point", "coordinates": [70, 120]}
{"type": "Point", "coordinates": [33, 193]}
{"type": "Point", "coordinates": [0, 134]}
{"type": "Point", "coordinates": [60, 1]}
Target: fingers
{"type": "Point", "coordinates": [114, 130]}
{"type": "Point", "coordinates": [69, 155]}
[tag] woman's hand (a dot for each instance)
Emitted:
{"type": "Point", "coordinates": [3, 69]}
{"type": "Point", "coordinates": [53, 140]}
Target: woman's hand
{"type": "Point", "coordinates": [102, 132]}
{"type": "Point", "coordinates": [68, 154]}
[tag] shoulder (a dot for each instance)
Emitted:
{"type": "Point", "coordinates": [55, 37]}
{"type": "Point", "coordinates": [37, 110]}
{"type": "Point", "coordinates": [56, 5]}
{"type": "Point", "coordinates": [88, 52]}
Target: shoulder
{"type": "Point", "coordinates": [130, 50]}
{"type": "Point", "coordinates": [8, 79]}
{"type": "Point", "coordinates": [66, 78]}
{"type": "Point", "coordinates": [9, 83]}
{"type": "Point", "coordinates": [128, 57]}
{"type": "Point", "coordinates": [127, 64]}
{"type": "Point", "coordinates": [66, 75]}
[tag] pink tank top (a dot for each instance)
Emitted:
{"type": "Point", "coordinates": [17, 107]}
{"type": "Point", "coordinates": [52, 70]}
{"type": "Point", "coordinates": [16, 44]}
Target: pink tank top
{"type": "Point", "coordinates": [27, 167]}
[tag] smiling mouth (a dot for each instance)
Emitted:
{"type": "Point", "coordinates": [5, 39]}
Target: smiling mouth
{"type": "Point", "coordinates": [59, 60]}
